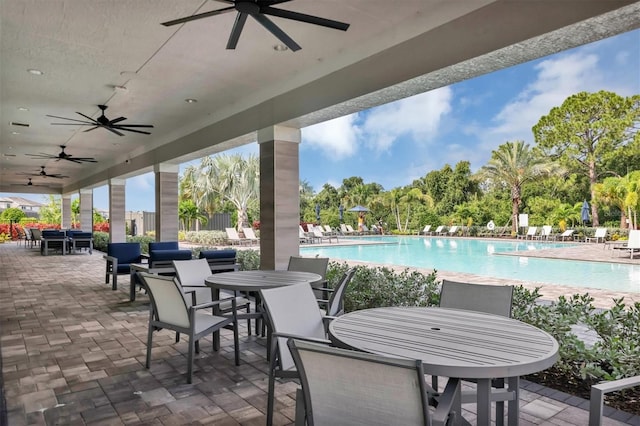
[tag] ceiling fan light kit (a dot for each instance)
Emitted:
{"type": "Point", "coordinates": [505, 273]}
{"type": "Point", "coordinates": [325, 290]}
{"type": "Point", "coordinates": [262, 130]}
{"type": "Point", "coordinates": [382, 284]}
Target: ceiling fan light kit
{"type": "Point", "coordinates": [258, 9]}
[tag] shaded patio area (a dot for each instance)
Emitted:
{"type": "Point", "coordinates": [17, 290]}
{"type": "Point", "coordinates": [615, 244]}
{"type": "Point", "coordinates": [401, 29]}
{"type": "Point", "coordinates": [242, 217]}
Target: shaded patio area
{"type": "Point", "coordinates": [73, 353]}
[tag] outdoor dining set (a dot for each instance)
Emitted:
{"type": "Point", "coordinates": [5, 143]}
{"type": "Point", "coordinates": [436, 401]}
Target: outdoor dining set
{"type": "Point", "coordinates": [469, 337]}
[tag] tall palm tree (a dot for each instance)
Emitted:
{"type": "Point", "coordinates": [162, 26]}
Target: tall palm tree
{"type": "Point", "coordinates": [514, 164]}
{"type": "Point", "coordinates": [234, 178]}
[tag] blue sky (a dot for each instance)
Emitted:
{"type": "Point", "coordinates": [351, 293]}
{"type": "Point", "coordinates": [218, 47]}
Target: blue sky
{"type": "Point", "coordinates": [394, 144]}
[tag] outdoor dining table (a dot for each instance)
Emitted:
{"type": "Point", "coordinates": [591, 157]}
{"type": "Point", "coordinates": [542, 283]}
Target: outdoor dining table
{"type": "Point", "coordinates": [253, 282]}
{"type": "Point", "coordinates": [453, 343]}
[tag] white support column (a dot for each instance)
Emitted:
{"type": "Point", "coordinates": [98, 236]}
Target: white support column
{"type": "Point", "coordinates": [166, 201]}
{"type": "Point", "coordinates": [279, 195]}
{"type": "Point", "coordinates": [66, 211]}
{"type": "Point", "coordinates": [86, 210]}
{"type": "Point", "coordinates": [117, 231]}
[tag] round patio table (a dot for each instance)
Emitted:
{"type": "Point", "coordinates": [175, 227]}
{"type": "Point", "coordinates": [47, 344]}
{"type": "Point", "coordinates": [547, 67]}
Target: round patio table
{"type": "Point", "coordinates": [453, 343]}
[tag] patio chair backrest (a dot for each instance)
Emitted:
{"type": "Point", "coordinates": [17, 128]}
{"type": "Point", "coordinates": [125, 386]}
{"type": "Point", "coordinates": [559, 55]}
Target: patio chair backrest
{"type": "Point", "coordinates": [343, 228]}
{"type": "Point", "coordinates": [426, 229]}
{"type": "Point", "coordinates": [546, 230]}
{"type": "Point", "coordinates": [126, 253]}
{"type": "Point", "coordinates": [248, 233]}
{"type": "Point", "coordinates": [167, 299]}
{"type": "Point", "coordinates": [453, 229]}
{"type": "Point", "coordinates": [532, 230]}
{"type": "Point", "coordinates": [600, 233]}
{"type": "Point", "coordinates": [163, 245]}
{"type": "Point", "coordinates": [490, 299]}
{"type": "Point", "coordinates": [350, 228]}
{"type": "Point", "coordinates": [36, 233]}
{"type": "Point", "coordinates": [336, 301]}
{"type": "Point", "coordinates": [439, 228]}
{"type": "Point", "coordinates": [294, 310]}
{"type": "Point", "coordinates": [634, 239]}
{"type": "Point", "coordinates": [192, 273]}
{"type": "Point", "coordinates": [344, 387]}
{"type": "Point", "coordinates": [232, 233]}
{"type": "Point", "coordinates": [316, 265]}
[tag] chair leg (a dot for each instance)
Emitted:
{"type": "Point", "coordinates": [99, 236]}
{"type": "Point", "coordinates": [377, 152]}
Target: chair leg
{"type": "Point", "coordinates": [300, 419]}
{"type": "Point", "coordinates": [272, 383]}
{"type": "Point", "coordinates": [197, 346]}
{"type": "Point", "coordinates": [149, 340]}
{"type": "Point", "coordinates": [249, 319]}
{"type": "Point", "coordinates": [192, 344]}
{"type": "Point", "coordinates": [177, 336]}
{"type": "Point", "coordinates": [236, 342]}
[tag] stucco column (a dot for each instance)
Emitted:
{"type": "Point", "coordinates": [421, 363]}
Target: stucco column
{"type": "Point", "coordinates": [86, 210]}
{"type": "Point", "coordinates": [66, 212]}
{"type": "Point", "coordinates": [117, 231]}
{"type": "Point", "coordinates": [166, 202]}
{"type": "Point", "coordinates": [279, 195]}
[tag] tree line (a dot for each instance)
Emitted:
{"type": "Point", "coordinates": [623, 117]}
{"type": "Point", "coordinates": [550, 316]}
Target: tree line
{"type": "Point", "coordinates": [588, 148]}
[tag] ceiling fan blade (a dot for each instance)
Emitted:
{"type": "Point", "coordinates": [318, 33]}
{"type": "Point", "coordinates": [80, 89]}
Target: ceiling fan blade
{"type": "Point", "coordinates": [85, 159]}
{"type": "Point", "coordinates": [112, 130]}
{"type": "Point", "coordinates": [82, 123]}
{"type": "Point", "coordinates": [65, 118]}
{"type": "Point", "coordinates": [117, 120]}
{"type": "Point", "coordinates": [276, 31]}
{"type": "Point", "coordinates": [130, 130]}
{"type": "Point", "coordinates": [272, 2]}
{"type": "Point", "coordinates": [122, 126]}
{"type": "Point", "coordinates": [41, 155]}
{"type": "Point", "coordinates": [73, 160]}
{"type": "Point", "coordinates": [198, 16]}
{"type": "Point", "coordinates": [93, 128]}
{"type": "Point", "coordinates": [91, 120]}
{"type": "Point", "coordinates": [301, 17]}
{"type": "Point", "coordinates": [238, 25]}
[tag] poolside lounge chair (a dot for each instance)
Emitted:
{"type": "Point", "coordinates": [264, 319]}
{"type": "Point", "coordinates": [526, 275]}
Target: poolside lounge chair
{"type": "Point", "coordinates": [531, 233]}
{"type": "Point", "coordinates": [599, 237]}
{"type": "Point", "coordinates": [439, 230]}
{"type": "Point", "coordinates": [453, 231]}
{"type": "Point", "coordinates": [250, 235]}
{"type": "Point", "coordinates": [321, 235]}
{"type": "Point", "coordinates": [633, 244]}
{"type": "Point", "coordinates": [351, 230]}
{"type": "Point", "coordinates": [345, 230]}
{"type": "Point", "coordinates": [425, 230]}
{"type": "Point", "coordinates": [234, 238]}
{"type": "Point", "coordinates": [329, 231]}
{"type": "Point", "coordinates": [566, 234]}
{"type": "Point", "coordinates": [545, 234]}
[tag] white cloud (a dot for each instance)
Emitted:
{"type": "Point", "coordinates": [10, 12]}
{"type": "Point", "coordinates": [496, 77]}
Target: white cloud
{"type": "Point", "coordinates": [556, 80]}
{"type": "Point", "coordinates": [337, 138]}
{"type": "Point", "coordinates": [418, 116]}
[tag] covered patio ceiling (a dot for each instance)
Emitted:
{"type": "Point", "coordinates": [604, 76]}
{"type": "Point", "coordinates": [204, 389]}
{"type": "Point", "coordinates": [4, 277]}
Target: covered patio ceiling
{"type": "Point", "coordinates": [115, 52]}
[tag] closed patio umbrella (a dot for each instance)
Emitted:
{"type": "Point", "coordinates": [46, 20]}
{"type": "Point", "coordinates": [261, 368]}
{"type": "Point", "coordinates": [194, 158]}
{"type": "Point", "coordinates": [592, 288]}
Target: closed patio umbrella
{"type": "Point", "coordinates": [341, 212]}
{"type": "Point", "coordinates": [584, 212]}
{"type": "Point", "coordinates": [358, 208]}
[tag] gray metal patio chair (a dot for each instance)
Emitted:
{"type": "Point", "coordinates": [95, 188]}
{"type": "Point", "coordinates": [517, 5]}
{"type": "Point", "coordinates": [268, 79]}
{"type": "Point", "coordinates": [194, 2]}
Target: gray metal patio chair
{"type": "Point", "coordinates": [335, 305]}
{"type": "Point", "coordinates": [490, 299]}
{"type": "Point", "coordinates": [344, 387]}
{"type": "Point", "coordinates": [316, 265]}
{"type": "Point", "coordinates": [191, 275]}
{"type": "Point", "coordinates": [292, 311]}
{"type": "Point", "coordinates": [168, 309]}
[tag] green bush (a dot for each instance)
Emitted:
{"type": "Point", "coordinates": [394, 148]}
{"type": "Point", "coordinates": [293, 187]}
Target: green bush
{"type": "Point", "coordinates": [100, 241]}
{"type": "Point", "coordinates": [249, 260]}
{"type": "Point", "coordinates": [206, 238]}
{"type": "Point", "coordinates": [144, 241]}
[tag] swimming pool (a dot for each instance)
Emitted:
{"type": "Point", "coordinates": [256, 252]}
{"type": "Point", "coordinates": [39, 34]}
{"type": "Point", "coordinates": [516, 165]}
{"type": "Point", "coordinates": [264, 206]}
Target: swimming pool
{"type": "Point", "coordinates": [477, 256]}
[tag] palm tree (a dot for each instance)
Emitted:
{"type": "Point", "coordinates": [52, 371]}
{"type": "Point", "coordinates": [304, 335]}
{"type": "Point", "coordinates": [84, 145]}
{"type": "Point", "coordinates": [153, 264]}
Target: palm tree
{"type": "Point", "coordinates": [188, 212]}
{"type": "Point", "coordinates": [514, 164]}
{"type": "Point", "coordinates": [235, 179]}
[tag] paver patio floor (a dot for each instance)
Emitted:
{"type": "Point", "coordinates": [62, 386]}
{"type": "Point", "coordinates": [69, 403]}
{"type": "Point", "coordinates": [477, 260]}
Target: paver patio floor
{"type": "Point", "coordinates": [73, 352]}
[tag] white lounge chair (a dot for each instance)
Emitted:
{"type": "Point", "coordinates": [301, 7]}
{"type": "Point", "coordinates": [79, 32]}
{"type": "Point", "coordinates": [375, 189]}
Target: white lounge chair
{"type": "Point", "coordinates": [545, 234]}
{"type": "Point", "coordinates": [633, 244]}
{"type": "Point", "coordinates": [439, 230]}
{"type": "Point", "coordinates": [566, 234]}
{"type": "Point", "coordinates": [351, 230]}
{"type": "Point", "coordinates": [234, 238]}
{"type": "Point", "coordinates": [250, 235]}
{"type": "Point", "coordinates": [599, 237]}
{"type": "Point", "coordinates": [531, 233]}
{"type": "Point", "coordinates": [453, 231]}
{"type": "Point", "coordinates": [425, 230]}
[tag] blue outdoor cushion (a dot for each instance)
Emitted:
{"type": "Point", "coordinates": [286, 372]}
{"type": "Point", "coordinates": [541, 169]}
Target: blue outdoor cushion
{"type": "Point", "coordinates": [157, 255]}
{"type": "Point", "coordinates": [126, 253]}
{"type": "Point", "coordinates": [53, 234]}
{"type": "Point", "coordinates": [218, 254]}
{"type": "Point", "coordinates": [80, 234]}
{"type": "Point", "coordinates": [163, 245]}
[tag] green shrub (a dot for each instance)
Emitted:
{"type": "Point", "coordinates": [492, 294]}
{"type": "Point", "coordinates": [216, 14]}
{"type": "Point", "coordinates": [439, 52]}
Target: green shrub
{"type": "Point", "coordinates": [206, 238]}
{"type": "Point", "coordinates": [249, 260]}
{"type": "Point", "coordinates": [144, 241]}
{"type": "Point", "coordinates": [100, 241]}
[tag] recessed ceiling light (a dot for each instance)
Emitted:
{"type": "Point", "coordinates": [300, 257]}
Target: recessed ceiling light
{"type": "Point", "coordinates": [280, 48]}
{"type": "Point", "coordinates": [23, 109]}
{"type": "Point", "coordinates": [15, 133]}
{"type": "Point", "coordinates": [191, 101]}
{"type": "Point", "coordinates": [35, 71]}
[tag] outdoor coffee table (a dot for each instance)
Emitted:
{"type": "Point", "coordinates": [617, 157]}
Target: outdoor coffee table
{"type": "Point", "coordinates": [253, 282]}
{"type": "Point", "coordinates": [453, 343]}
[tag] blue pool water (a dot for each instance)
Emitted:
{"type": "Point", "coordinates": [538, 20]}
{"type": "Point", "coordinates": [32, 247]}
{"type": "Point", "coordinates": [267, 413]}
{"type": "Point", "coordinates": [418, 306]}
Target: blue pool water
{"type": "Point", "coordinates": [479, 257]}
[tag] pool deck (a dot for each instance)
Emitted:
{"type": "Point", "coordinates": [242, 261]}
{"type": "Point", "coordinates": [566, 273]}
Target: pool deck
{"type": "Point", "coordinates": [593, 252]}
{"type": "Point", "coordinates": [73, 353]}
